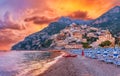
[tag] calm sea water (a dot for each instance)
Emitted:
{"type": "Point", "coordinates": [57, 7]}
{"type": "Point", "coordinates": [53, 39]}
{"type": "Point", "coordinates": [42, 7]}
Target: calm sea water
{"type": "Point", "coordinates": [21, 63]}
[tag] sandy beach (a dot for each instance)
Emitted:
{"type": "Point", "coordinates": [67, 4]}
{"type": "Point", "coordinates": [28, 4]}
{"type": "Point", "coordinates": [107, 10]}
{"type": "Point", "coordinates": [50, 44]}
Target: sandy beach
{"type": "Point", "coordinates": [81, 66]}
{"type": "Point", "coordinates": [56, 65]}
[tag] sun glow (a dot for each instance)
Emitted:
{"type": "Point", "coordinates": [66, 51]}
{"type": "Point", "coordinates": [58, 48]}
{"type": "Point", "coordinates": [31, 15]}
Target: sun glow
{"type": "Point", "coordinates": [48, 11]}
{"type": "Point", "coordinates": [94, 8]}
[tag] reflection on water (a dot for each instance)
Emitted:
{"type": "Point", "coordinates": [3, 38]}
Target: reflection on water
{"type": "Point", "coordinates": [22, 63]}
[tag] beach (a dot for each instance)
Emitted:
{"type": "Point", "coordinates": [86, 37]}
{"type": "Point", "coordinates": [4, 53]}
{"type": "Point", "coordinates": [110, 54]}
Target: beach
{"type": "Point", "coordinates": [81, 66]}
{"type": "Point", "coordinates": [24, 63]}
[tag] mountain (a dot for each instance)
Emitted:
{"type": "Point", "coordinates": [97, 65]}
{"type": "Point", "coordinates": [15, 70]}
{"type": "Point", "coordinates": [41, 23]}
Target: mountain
{"type": "Point", "coordinates": [42, 39]}
{"type": "Point", "coordinates": [37, 40]}
{"type": "Point", "coordinates": [76, 36]}
{"type": "Point", "coordinates": [69, 21]}
{"type": "Point", "coordinates": [110, 20]}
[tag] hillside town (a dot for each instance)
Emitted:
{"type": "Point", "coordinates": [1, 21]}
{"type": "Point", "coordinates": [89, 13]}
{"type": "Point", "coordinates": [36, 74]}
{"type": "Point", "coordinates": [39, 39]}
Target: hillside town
{"type": "Point", "coordinates": [76, 36]}
{"type": "Point", "coordinates": [60, 38]}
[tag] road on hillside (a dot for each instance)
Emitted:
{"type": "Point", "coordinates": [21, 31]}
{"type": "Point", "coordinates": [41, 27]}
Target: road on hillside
{"type": "Point", "coordinates": [82, 66]}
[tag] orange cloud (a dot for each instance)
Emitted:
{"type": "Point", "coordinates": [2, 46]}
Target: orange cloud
{"type": "Point", "coordinates": [95, 8]}
{"type": "Point", "coordinates": [9, 37]}
{"type": "Point", "coordinates": [57, 8]}
{"type": "Point", "coordinates": [39, 20]}
{"type": "Point", "coordinates": [46, 11]}
{"type": "Point", "coordinates": [79, 15]}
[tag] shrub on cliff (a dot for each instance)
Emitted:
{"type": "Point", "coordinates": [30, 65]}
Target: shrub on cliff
{"type": "Point", "coordinates": [105, 43]}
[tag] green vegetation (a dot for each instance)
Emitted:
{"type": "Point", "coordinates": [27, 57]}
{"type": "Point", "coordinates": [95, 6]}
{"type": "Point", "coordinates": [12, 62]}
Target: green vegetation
{"type": "Point", "coordinates": [111, 24]}
{"type": "Point", "coordinates": [92, 30]}
{"type": "Point", "coordinates": [117, 41]}
{"type": "Point", "coordinates": [84, 36]}
{"type": "Point", "coordinates": [86, 45]}
{"type": "Point", "coordinates": [47, 43]}
{"type": "Point", "coordinates": [91, 39]}
{"type": "Point", "coordinates": [54, 27]}
{"type": "Point", "coordinates": [105, 43]}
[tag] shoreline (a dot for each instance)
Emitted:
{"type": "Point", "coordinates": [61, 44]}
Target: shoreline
{"type": "Point", "coordinates": [33, 68]}
{"type": "Point", "coordinates": [47, 65]}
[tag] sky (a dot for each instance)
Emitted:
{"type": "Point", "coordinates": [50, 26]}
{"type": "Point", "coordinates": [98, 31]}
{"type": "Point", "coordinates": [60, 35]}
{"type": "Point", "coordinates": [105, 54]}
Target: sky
{"type": "Point", "coordinates": [20, 18]}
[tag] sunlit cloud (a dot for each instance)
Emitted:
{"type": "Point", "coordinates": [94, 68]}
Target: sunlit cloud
{"type": "Point", "coordinates": [23, 17]}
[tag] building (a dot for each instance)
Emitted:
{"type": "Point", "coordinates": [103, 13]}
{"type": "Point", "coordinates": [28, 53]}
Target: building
{"type": "Point", "coordinates": [104, 36]}
{"type": "Point", "coordinates": [73, 36]}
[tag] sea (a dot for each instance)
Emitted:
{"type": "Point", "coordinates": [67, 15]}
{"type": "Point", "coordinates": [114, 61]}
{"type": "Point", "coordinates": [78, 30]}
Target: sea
{"type": "Point", "coordinates": [23, 63]}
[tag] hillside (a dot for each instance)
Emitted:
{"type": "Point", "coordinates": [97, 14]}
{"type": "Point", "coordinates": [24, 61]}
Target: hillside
{"type": "Point", "coordinates": [81, 36]}
{"type": "Point", "coordinates": [37, 40]}
{"type": "Point", "coordinates": [110, 20]}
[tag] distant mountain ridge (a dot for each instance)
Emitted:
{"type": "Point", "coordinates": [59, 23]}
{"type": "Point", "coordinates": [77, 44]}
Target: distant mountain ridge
{"type": "Point", "coordinates": [36, 41]}
{"type": "Point", "coordinates": [69, 21]}
{"type": "Point", "coordinates": [110, 20]}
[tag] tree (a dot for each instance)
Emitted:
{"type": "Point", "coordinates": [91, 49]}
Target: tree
{"type": "Point", "coordinates": [47, 43]}
{"type": "Point", "coordinates": [117, 41]}
{"type": "Point", "coordinates": [86, 45]}
{"type": "Point", "coordinates": [105, 43]}
{"type": "Point", "coordinates": [91, 39]}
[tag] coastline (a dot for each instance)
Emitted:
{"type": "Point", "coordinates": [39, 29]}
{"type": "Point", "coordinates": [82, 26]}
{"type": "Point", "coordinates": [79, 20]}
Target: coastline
{"type": "Point", "coordinates": [51, 63]}
{"type": "Point", "coordinates": [27, 63]}
{"type": "Point", "coordinates": [54, 58]}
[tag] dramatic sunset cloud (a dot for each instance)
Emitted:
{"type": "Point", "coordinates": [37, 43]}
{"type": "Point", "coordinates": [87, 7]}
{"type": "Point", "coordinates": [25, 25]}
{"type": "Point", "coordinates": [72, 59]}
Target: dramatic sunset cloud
{"type": "Point", "coordinates": [39, 20]}
{"type": "Point", "coordinates": [79, 15]}
{"type": "Point", "coordinates": [94, 7]}
{"type": "Point", "coordinates": [19, 18]}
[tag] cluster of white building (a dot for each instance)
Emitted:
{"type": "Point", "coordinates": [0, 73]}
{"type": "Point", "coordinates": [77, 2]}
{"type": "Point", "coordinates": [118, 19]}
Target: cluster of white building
{"type": "Point", "coordinates": [74, 35]}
